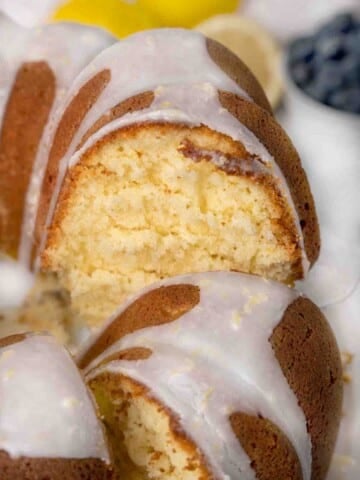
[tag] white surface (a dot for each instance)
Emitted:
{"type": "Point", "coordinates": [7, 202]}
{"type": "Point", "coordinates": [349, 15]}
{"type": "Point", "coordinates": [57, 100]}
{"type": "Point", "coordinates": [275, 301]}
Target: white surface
{"type": "Point", "coordinates": [329, 145]}
{"type": "Point", "coordinates": [28, 13]}
{"type": "Point", "coordinates": [46, 410]}
{"type": "Point", "coordinates": [202, 366]}
{"type": "Point", "coordinates": [288, 18]}
{"type": "Point", "coordinates": [15, 282]}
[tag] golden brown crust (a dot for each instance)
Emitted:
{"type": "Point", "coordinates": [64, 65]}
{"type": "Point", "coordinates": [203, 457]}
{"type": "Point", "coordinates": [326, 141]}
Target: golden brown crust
{"type": "Point", "coordinates": [273, 137]}
{"type": "Point", "coordinates": [306, 350]}
{"type": "Point", "coordinates": [272, 455]}
{"type": "Point", "coordinates": [129, 354]}
{"type": "Point", "coordinates": [132, 104]}
{"type": "Point", "coordinates": [26, 114]}
{"type": "Point", "coordinates": [238, 71]}
{"type": "Point", "coordinates": [24, 468]}
{"type": "Point", "coordinates": [10, 340]}
{"type": "Point", "coordinates": [68, 126]}
{"type": "Point", "coordinates": [159, 306]}
{"type": "Point", "coordinates": [233, 163]}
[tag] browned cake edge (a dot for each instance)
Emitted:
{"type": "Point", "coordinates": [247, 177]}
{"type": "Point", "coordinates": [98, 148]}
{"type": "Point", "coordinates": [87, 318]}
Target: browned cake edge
{"type": "Point", "coordinates": [132, 104]}
{"type": "Point", "coordinates": [238, 71]}
{"type": "Point", "coordinates": [271, 453]}
{"type": "Point", "coordinates": [24, 468]}
{"type": "Point", "coordinates": [279, 145]}
{"type": "Point", "coordinates": [307, 352]}
{"type": "Point", "coordinates": [12, 339]}
{"type": "Point", "coordinates": [68, 126]}
{"type": "Point", "coordinates": [157, 307]}
{"type": "Point", "coordinates": [24, 119]}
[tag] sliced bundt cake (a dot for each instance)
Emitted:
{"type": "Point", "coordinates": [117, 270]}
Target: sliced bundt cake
{"type": "Point", "coordinates": [218, 375]}
{"type": "Point", "coordinates": [168, 160]}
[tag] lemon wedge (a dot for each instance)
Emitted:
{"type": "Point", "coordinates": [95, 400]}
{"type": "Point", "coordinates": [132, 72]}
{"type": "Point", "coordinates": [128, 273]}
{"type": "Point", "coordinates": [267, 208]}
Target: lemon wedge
{"type": "Point", "coordinates": [120, 17]}
{"type": "Point", "coordinates": [187, 13]}
{"type": "Point", "coordinates": [254, 45]}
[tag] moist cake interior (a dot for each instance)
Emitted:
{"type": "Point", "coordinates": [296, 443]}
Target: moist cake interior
{"type": "Point", "coordinates": [142, 434]}
{"type": "Point", "coordinates": [156, 200]}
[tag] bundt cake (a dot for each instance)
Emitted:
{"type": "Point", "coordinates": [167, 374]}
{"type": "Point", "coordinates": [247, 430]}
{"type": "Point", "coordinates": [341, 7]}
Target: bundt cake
{"type": "Point", "coordinates": [167, 160]}
{"type": "Point", "coordinates": [218, 375]}
{"type": "Point", "coordinates": [49, 427]}
{"type": "Point", "coordinates": [35, 77]}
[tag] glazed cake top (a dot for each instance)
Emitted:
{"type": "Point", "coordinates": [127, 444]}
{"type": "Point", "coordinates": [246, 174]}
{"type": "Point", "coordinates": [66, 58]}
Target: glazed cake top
{"type": "Point", "coordinates": [45, 407]}
{"type": "Point", "coordinates": [190, 371]}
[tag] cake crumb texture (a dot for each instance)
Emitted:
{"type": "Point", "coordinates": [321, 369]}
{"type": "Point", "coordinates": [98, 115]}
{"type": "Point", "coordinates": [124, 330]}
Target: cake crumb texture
{"type": "Point", "coordinates": [136, 208]}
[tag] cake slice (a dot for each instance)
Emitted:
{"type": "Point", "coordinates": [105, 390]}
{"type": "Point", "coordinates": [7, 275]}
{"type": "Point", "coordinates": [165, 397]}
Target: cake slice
{"type": "Point", "coordinates": [177, 165]}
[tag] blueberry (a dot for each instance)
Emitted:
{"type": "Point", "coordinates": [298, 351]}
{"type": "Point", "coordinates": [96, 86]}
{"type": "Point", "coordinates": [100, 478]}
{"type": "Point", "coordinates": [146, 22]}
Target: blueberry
{"type": "Point", "coordinates": [342, 23]}
{"type": "Point", "coordinates": [301, 50]}
{"type": "Point", "coordinates": [350, 69]}
{"type": "Point", "coordinates": [318, 63]}
{"type": "Point", "coordinates": [352, 42]}
{"type": "Point", "coordinates": [301, 73]}
{"type": "Point", "coordinates": [347, 99]}
{"type": "Point", "coordinates": [331, 48]}
{"type": "Point", "coordinates": [330, 77]}
{"type": "Point", "coordinates": [316, 92]}
{"type": "Point", "coordinates": [326, 82]}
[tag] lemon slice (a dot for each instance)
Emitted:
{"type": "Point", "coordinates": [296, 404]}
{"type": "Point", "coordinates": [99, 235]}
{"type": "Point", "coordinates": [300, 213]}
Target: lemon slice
{"type": "Point", "coordinates": [256, 48]}
{"type": "Point", "coordinates": [120, 17]}
{"type": "Point", "coordinates": [187, 13]}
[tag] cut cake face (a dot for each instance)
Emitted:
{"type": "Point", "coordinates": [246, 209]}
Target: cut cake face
{"type": "Point", "coordinates": [166, 163]}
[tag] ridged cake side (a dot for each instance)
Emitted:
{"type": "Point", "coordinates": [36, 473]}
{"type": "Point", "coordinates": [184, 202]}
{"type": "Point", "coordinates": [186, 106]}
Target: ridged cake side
{"type": "Point", "coordinates": [149, 421]}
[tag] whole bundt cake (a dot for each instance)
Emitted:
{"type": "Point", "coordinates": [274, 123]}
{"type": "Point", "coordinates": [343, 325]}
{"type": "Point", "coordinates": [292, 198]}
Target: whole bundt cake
{"type": "Point", "coordinates": [49, 427]}
{"type": "Point", "coordinates": [161, 157]}
{"type": "Point", "coordinates": [167, 160]}
{"type": "Point", "coordinates": [215, 376]}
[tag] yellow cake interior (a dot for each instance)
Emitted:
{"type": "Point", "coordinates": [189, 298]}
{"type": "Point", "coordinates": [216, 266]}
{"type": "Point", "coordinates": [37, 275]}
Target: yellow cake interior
{"type": "Point", "coordinates": [141, 435]}
{"type": "Point", "coordinates": [136, 209]}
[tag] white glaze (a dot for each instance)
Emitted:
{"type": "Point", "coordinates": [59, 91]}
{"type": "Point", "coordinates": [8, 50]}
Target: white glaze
{"type": "Point", "coordinates": [66, 48]}
{"type": "Point", "coordinates": [45, 407]}
{"type": "Point", "coordinates": [215, 360]}
{"type": "Point", "coordinates": [15, 283]}
{"type": "Point", "coordinates": [176, 65]}
{"type": "Point", "coordinates": [10, 58]}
